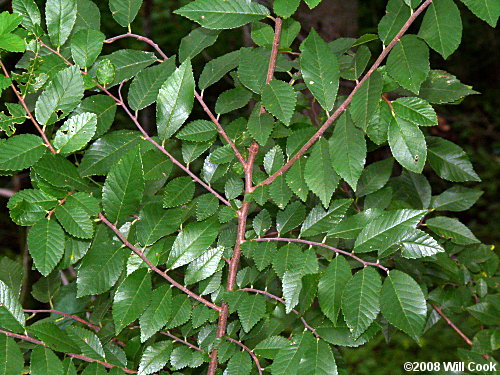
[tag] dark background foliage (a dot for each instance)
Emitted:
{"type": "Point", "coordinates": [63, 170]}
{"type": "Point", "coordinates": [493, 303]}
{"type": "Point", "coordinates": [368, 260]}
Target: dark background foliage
{"type": "Point", "coordinates": [470, 124]}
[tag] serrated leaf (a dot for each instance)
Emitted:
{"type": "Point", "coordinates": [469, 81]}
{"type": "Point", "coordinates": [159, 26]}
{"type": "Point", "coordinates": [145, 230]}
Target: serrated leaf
{"type": "Point", "coordinates": [198, 131]}
{"type": "Point", "coordinates": [408, 63]}
{"type": "Point", "coordinates": [155, 357]}
{"type": "Point", "coordinates": [396, 14]}
{"type": "Point", "coordinates": [75, 133]}
{"type": "Point", "coordinates": [75, 220]}
{"type": "Point", "coordinates": [103, 106]}
{"type": "Point", "coordinates": [452, 229]}
{"type": "Point", "coordinates": [262, 253]}
{"type": "Point", "coordinates": [292, 285]}
{"type": "Point", "coordinates": [415, 110]}
{"type": "Point", "coordinates": [192, 242]}
{"type": "Point", "coordinates": [30, 12]}
{"type": "Point", "coordinates": [158, 312]}
{"type": "Point", "coordinates": [374, 177]}
{"type": "Point", "coordinates": [56, 338]}
{"type": "Point", "coordinates": [290, 218]}
{"type": "Point", "coordinates": [320, 221]}
{"type": "Point", "coordinates": [365, 101]}
{"type": "Point", "coordinates": [457, 198]}
{"type": "Point", "coordinates": [12, 274]}
{"type": "Point", "coordinates": [175, 100]}
{"type": "Point", "coordinates": [11, 311]}
{"type": "Point", "coordinates": [60, 172]}
{"type": "Point", "coordinates": [260, 125]}
{"type": "Point", "coordinates": [331, 286]}
{"type": "Point", "coordinates": [123, 188]}
{"type": "Point", "coordinates": [419, 245]}
{"type": "Point", "coordinates": [43, 361]}
{"type": "Point", "coordinates": [288, 359]}
{"type": "Point", "coordinates": [387, 229]}
{"type": "Point", "coordinates": [239, 364]}
{"type": "Point", "coordinates": [124, 11]}
{"type": "Point", "coordinates": [62, 94]}
{"type": "Point", "coordinates": [319, 174]}
{"type": "Point", "coordinates": [88, 15]}
{"type": "Point", "coordinates": [279, 99]}
{"type": "Point", "coordinates": [127, 63]}
{"type": "Point", "coordinates": [204, 266]}
{"type": "Point", "coordinates": [132, 297]}
{"type": "Point", "coordinates": [221, 14]}
{"type": "Point", "coordinates": [285, 8]}
{"type": "Point", "coordinates": [179, 191]}
{"type": "Point", "coordinates": [407, 144]}
{"type": "Point", "coordinates": [295, 179]}
{"type": "Point", "coordinates": [403, 304]}
{"type": "Point", "coordinates": [443, 87]}
{"type": "Point", "coordinates": [146, 85]}
{"type": "Point", "coordinates": [46, 245]}
{"type": "Point", "coordinates": [11, 359]}
{"type": "Point", "coordinates": [261, 222]}
{"type": "Point", "coordinates": [29, 206]}
{"type": "Point", "coordinates": [195, 42]}
{"type": "Point", "coordinates": [450, 161]}
{"type": "Point", "coordinates": [181, 311]}
{"type": "Point", "coordinates": [442, 27]}
{"type": "Point", "coordinates": [269, 347]}
{"type": "Point", "coordinates": [232, 99]}
{"type": "Point", "coordinates": [487, 10]}
{"type": "Point", "coordinates": [360, 300]}
{"type": "Point", "coordinates": [348, 150]}
{"type": "Point", "coordinates": [280, 192]}
{"type": "Point", "coordinates": [89, 343]}
{"type": "Point", "coordinates": [156, 222]}
{"type": "Point", "coordinates": [94, 369]}
{"type": "Point", "coordinates": [318, 360]}
{"type": "Point", "coordinates": [320, 69]}
{"type": "Point", "coordinates": [21, 151]}
{"type": "Point", "coordinates": [60, 16]}
{"type": "Point", "coordinates": [217, 68]}
{"type": "Point", "coordinates": [86, 45]}
{"type": "Point", "coordinates": [273, 160]}
{"type": "Point", "coordinates": [251, 310]}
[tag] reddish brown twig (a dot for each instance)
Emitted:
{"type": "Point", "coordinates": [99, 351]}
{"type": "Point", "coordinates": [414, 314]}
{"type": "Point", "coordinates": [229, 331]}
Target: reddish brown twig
{"type": "Point", "coordinates": [60, 203]}
{"type": "Point", "coordinates": [279, 299]}
{"type": "Point", "coordinates": [173, 337]}
{"type": "Point", "coordinates": [245, 348]}
{"type": "Point", "coordinates": [450, 323]}
{"type": "Point", "coordinates": [156, 269]}
{"type": "Point", "coordinates": [142, 39]}
{"type": "Point", "coordinates": [348, 100]}
{"type": "Point", "coordinates": [73, 355]}
{"type": "Point", "coordinates": [26, 109]}
{"type": "Point", "coordinates": [70, 316]}
{"type": "Point", "coordinates": [312, 243]}
{"type": "Point", "coordinates": [274, 55]}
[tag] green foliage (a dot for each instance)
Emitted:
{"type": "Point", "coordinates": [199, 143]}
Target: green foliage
{"type": "Point", "coordinates": [255, 226]}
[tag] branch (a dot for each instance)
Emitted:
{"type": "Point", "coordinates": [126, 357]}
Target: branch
{"type": "Point", "coordinates": [450, 323]}
{"type": "Point", "coordinates": [74, 355]}
{"type": "Point", "coordinates": [6, 193]}
{"type": "Point", "coordinates": [254, 357]}
{"type": "Point", "coordinates": [142, 39]}
{"type": "Point", "coordinates": [74, 317]}
{"type": "Point", "coordinates": [23, 103]}
{"type": "Point", "coordinates": [279, 299]}
{"type": "Point", "coordinates": [274, 55]}
{"type": "Point", "coordinates": [348, 100]}
{"type": "Point", "coordinates": [178, 339]}
{"type": "Point", "coordinates": [311, 243]}
{"type": "Point", "coordinates": [156, 269]}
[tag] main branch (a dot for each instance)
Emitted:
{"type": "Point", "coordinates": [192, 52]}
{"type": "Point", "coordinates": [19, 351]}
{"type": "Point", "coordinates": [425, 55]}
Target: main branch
{"type": "Point", "coordinates": [348, 100]}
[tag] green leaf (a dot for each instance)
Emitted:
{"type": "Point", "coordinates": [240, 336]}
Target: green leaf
{"type": "Point", "coordinates": [46, 245]}
{"type": "Point", "coordinates": [487, 10]}
{"type": "Point", "coordinates": [318, 360]}
{"type": "Point", "coordinates": [103, 106]}
{"type": "Point", "coordinates": [94, 369]}
{"type": "Point", "coordinates": [232, 99]}
{"type": "Point", "coordinates": [279, 99]}
{"type": "Point", "coordinates": [107, 151]}
{"type": "Point", "coordinates": [29, 206]}
{"type": "Point", "coordinates": [260, 125]}
{"type": "Point", "coordinates": [175, 100]}
{"type": "Point", "coordinates": [295, 179]}
{"type": "Point", "coordinates": [60, 16]}
{"type": "Point", "coordinates": [262, 253]}
{"type": "Point", "coordinates": [261, 222]}
{"type": "Point", "coordinates": [75, 220]}
{"type": "Point", "coordinates": [195, 42]}
{"type": "Point", "coordinates": [56, 338]}
{"type": "Point", "coordinates": [365, 101]}
{"type": "Point", "coordinates": [88, 15]}
{"type": "Point", "coordinates": [158, 312]}
{"type": "Point", "coordinates": [11, 359]}
{"type": "Point", "coordinates": [442, 87]}
{"type": "Point", "coordinates": [452, 229]}
{"type": "Point", "coordinates": [442, 27]}
{"type": "Point", "coordinates": [11, 311]}
{"type": "Point", "coordinates": [450, 161]}
{"type": "Point", "coordinates": [376, 128]}
{"type": "Point", "coordinates": [198, 131]}
{"type": "Point", "coordinates": [12, 43]}
{"type": "Point", "coordinates": [407, 144]}
{"type": "Point", "coordinates": [351, 67]}
{"type": "Point", "coordinates": [62, 94]}
{"type": "Point", "coordinates": [155, 357]}
{"type": "Point", "coordinates": [331, 286]}
{"type": "Point", "coordinates": [131, 298]}
{"type": "Point", "coordinates": [86, 45]}
{"type": "Point", "coordinates": [11, 273]}
{"type": "Point", "coordinates": [408, 63]}
{"type": "Point", "coordinates": [75, 133]}
{"type": "Point", "coordinates": [192, 242]}
{"type": "Point", "coordinates": [280, 192]}
{"type": "Point", "coordinates": [320, 221]}
{"type": "Point", "coordinates": [292, 285]}
{"type": "Point", "coordinates": [251, 309]}
{"type": "Point", "coordinates": [20, 152]}
{"type": "Point", "coordinates": [273, 160]}
{"type": "Point", "coordinates": [360, 300]}
{"type": "Point", "coordinates": [404, 303]}
{"type": "Point", "coordinates": [320, 69]}
{"type": "Point", "coordinates": [181, 311]}
{"type": "Point", "coordinates": [217, 68]}
{"type": "Point", "coordinates": [124, 11]}
{"type": "Point", "coordinates": [44, 361]}
{"type": "Point", "coordinates": [30, 12]}
{"type": "Point", "coordinates": [415, 110]}
{"type": "Point", "coordinates": [285, 8]}
{"type": "Point", "coordinates": [419, 245]}
{"type": "Point", "coordinates": [102, 265]}
{"type": "Point", "coordinates": [457, 198]}
{"type": "Point", "coordinates": [146, 85]}
{"type": "Point", "coordinates": [156, 222]}
{"type": "Point", "coordinates": [128, 63]}
{"type": "Point", "coordinates": [319, 173]}
{"type": "Point", "coordinates": [290, 218]}
{"type": "Point", "coordinates": [206, 206]}
{"type": "Point", "coordinates": [269, 347]}
{"type": "Point", "coordinates": [396, 14]}
{"type": "Point", "coordinates": [220, 14]}
{"type": "Point", "coordinates": [387, 229]}
{"type": "Point", "coordinates": [123, 188]}
{"type": "Point", "coordinates": [374, 177]}
{"type": "Point", "coordinates": [59, 171]}
{"type": "Point", "coordinates": [89, 343]}
{"type": "Point", "coordinates": [105, 72]}
{"type": "Point", "coordinates": [179, 191]}
{"type": "Point", "coordinates": [204, 266]}
{"type": "Point", "coordinates": [288, 359]}
{"type": "Point", "coordinates": [348, 150]}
